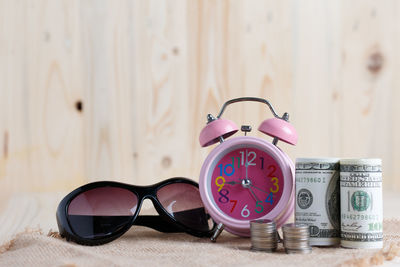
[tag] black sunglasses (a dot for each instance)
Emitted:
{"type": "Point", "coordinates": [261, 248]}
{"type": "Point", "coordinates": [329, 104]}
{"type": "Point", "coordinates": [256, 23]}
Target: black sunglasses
{"type": "Point", "coordinates": [100, 212]}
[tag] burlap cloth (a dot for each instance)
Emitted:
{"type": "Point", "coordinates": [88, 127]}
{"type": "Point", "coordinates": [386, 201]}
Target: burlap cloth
{"type": "Point", "coordinates": [144, 247]}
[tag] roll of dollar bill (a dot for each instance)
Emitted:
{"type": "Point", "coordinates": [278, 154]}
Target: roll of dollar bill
{"type": "Point", "coordinates": [361, 203]}
{"type": "Point", "coordinates": [318, 199]}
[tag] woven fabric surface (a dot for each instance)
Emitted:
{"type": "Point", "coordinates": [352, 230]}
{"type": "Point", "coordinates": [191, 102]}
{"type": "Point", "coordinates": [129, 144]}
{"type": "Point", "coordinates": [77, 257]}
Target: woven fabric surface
{"type": "Point", "coordinates": [144, 247]}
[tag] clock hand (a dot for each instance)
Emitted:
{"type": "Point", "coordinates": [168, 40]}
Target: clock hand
{"type": "Point", "coordinates": [259, 189]}
{"type": "Point", "coordinates": [254, 195]}
{"type": "Point", "coordinates": [233, 182]}
{"type": "Point", "coordinates": [247, 167]}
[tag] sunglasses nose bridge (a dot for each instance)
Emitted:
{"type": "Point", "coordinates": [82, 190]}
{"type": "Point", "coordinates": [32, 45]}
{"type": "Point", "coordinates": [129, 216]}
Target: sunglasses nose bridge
{"type": "Point", "coordinates": [149, 194]}
{"type": "Point", "coordinates": [153, 198]}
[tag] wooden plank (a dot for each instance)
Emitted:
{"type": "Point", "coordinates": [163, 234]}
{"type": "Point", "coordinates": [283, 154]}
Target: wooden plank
{"type": "Point", "coordinates": [108, 86]}
{"type": "Point", "coordinates": [14, 145]}
{"type": "Point", "coordinates": [367, 82]}
{"type": "Point", "coordinates": [160, 104]}
{"type": "Point", "coordinates": [392, 142]}
{"type": "Point", "coordinates": [316, 71]}
{"type": "Point", "coordinates": [41, 126]}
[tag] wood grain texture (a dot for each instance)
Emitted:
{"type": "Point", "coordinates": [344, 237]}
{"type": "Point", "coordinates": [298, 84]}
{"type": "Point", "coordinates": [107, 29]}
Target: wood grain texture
{"type": "Point", "coordinates": [120, 90]}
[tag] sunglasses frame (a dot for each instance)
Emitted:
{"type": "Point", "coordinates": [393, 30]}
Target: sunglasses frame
{"type": "Point", "coordinates": [163, 222]}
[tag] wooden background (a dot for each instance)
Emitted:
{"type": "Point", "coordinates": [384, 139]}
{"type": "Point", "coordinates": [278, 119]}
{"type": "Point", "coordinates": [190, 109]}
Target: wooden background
{"type": "Point", "coordinates": [120, 90]}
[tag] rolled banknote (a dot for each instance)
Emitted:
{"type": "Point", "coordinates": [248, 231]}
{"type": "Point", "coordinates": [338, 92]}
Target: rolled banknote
{"type": "Point", "coordinates": [318, 199]}
{"type": "Point", "coordinates": [361, 203]}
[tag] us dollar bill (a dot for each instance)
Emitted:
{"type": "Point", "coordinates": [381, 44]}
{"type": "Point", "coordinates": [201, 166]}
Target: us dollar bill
{"type": "Point", "coordinates": [318, 199]}
{"type": "Point", "coordinates": [361, 203]}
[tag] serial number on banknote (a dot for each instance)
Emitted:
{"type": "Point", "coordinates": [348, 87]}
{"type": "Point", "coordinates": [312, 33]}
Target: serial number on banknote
{"type": "Point", "coordinates": [310, 180]}
{"type": "Point", "coordinates": [359, 177]}
{"type": "Point", "coordinates": [360, 216]}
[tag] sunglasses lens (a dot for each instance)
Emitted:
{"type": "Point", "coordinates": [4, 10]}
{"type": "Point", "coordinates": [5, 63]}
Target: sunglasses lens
{"type": "Point", "coordinates": [183, 202]}
{"type": "Point", "coordinates": [101, 211]}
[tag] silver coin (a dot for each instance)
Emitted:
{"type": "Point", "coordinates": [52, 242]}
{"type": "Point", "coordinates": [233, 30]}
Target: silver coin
{"type": "Point", "coordinates": [298, 251]}
{"type": "Point", "coordinates": [297, 246]}
{"type": "Point", "coordinates": [297, 238]}
{"type": "Point", "coordinates": [263, 249]}
{"type": "Point", "coordinates": [294, 226]}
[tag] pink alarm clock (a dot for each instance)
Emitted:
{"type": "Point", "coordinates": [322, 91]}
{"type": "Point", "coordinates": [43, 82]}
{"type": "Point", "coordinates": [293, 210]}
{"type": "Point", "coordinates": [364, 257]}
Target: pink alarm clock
{"type": "Point", "coordinates": [247, 178]}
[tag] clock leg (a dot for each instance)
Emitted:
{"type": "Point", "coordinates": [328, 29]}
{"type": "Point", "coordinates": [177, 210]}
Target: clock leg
{"type": "Point", "coordinates": [218, 231]}
{"type": "Point", "coordinates": [275, 141]}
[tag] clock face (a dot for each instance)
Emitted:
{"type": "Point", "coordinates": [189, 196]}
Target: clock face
{"type": "Point", "coordinates": [246, 183]}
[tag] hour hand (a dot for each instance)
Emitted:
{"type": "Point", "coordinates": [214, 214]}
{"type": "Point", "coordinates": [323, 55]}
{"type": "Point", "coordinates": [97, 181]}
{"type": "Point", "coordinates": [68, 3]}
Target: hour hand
{"type": "Point", "coordinates": [233, 182]}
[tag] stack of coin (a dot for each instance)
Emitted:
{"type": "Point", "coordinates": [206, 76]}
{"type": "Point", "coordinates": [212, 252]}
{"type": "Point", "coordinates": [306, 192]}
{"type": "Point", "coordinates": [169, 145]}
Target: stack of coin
{"type": "Point", "coordinates": [296, 238]}
{"type": "Point", "coordinates": [264, 236]}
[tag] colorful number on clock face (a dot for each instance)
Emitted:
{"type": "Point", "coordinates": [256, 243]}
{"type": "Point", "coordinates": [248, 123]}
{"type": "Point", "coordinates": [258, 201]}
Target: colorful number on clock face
{"type": "Point", "coordinates": [251, 198]}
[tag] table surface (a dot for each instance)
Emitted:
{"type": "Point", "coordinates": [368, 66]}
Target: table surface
{"type": "Point", "coordinates": [37, 210]}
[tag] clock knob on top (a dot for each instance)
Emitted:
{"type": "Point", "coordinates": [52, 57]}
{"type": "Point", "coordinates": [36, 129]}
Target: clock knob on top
{"type": "Point", "coordinates": [280, 129]}
{"type": "Point", "coordinates": [216, 130]}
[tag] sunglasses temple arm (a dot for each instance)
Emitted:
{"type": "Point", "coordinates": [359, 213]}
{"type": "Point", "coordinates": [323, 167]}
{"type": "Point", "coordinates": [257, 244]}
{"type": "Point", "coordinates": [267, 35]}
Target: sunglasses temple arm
{"type": "Point", "coordinates": [157, 223]}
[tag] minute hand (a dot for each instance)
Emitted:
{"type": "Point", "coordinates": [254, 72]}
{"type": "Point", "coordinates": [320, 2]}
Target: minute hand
{"type": "Point", "coordinates": [247, 167]}
{"type": "Point", "coordinates": [254, 194]}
